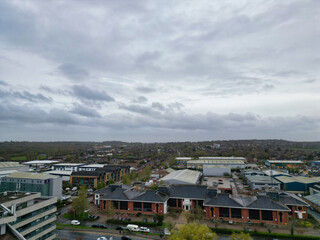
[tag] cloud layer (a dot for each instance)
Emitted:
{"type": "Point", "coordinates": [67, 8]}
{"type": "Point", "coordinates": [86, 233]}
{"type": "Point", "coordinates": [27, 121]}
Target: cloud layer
{"type": "Point", "coordinates": [159, 70]}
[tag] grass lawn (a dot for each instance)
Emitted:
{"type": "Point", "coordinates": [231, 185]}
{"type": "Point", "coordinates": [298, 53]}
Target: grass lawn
{"type": "Point", "coordinates": [80, 217]}
{"type": "Point", "coordinates": [17, 158]}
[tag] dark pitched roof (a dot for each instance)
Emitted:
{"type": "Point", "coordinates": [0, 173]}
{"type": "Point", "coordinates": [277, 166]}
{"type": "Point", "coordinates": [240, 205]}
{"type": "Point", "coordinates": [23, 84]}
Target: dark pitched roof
{"type": "Point", "coordinates": [291, 199]}
{"type": "Point", "coordinates": [152, 196]}
{"type": "Point", "coordinates": [188, 191]}
{"type": "Point", "coordinates": [265, 203]}
{"type": "Point", "coordinates": [87, 173]}
{"type": "Point", "coordinates": [222, 200]}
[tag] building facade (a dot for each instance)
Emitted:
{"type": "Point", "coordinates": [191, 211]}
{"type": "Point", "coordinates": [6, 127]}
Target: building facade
{"type": "Point", "coordinates": [45, 184]}
{"type": "Point", "coordinates": [272, 207]}
{"type": "Point", "coordinates": [32, 216]}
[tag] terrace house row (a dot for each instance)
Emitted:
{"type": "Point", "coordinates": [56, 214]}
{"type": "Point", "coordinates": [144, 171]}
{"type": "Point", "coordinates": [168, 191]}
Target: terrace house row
{"type": "Point", "coordinates": [271, 207]}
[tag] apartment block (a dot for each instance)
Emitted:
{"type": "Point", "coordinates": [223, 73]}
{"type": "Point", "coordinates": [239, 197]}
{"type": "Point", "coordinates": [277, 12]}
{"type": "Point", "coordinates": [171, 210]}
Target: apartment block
{"type": "Point", "coordinates": [28, 216]}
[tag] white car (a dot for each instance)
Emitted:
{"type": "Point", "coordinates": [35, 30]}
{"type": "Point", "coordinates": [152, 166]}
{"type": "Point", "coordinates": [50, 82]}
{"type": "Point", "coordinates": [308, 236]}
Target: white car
{"type": "Point", "coordinates": [75, 222]}
{"type": "Point", "coordinates": [167, 232]}
{"type": "Point", "coordinates": [102, 238]}
{"type": "Point", "coordinates": [144, 229]}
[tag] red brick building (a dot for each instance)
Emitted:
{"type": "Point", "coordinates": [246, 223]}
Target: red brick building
{"type": "Point", "coordinates": [274, 208]}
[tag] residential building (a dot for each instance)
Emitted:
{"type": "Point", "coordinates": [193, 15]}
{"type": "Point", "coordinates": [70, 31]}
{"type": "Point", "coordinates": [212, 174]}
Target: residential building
{"type": "Point", "coordinates": [45, 184]}
{"type": "Point", "coordinates": [285, 163]}
{"type": "Point", "coordinates": [182, 177]}
{"type": "Point", "coordinates": [271, 207]}
{"type": "Point", "coordinates": [260, 182]}
{"type": "Point", "coordinates": [28, 216]}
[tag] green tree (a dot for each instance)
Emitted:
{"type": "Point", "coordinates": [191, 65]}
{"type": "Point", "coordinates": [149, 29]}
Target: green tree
{"type": "Point", "coordinates": [240, 236]}
{"type": "Point", "coordinates": [193, 231]}
{"type": "Point", "coordinates": [81, 203]}
{"type": "Point", "coordinates": [170, 225]}
{"type": "Point", "coordinates": [110, 209]}
{"type": "Point", "coordinates": [158, 218]}
{"type": "Point", "coordinates": [126, 179]}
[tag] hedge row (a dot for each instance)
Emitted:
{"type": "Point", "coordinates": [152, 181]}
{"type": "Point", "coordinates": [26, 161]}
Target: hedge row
{"type": "Point", "coordinates": [144, 224]}
{"type": "Point", "coordinates": [265, 234]}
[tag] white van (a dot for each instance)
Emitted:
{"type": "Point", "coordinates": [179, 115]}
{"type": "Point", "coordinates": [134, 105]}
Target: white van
{"type": "Point", "coordinates": [132, 227]}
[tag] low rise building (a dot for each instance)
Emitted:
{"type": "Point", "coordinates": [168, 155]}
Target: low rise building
{"type": "Point", "coordinates": [6, 168]}
{"type": "Point", "coordinates": [198, 164]}
{"type": "Point", "coordinates": [182, 160]}
{"type": "Point", "coordinates": [315, 164]}
{"type": "Point", "coordinates": [28, 215]}
{"type": "Point", "coordinates": [285, 163]}
{"type": "Point", "coordinates": [313, 200]}
{"type": "Point", "coordinates": [252, 172]}
{"type": "Point", "coordinates": [87, 178]}
{"type": "Point", "coordinates": [297, 184]}
{"type": "Point", "coordinates": [67, 166]}
{"type": "Point", "coordinates": [260, 182]}
{"type": "Point", "coordinates": [91, 167]}
{"type": "Point", "coordinates": [182, 177]}
{"type": "Point", "coordinates": [315, 189]}
{"type": "Point", "coordinates": [272, 207]}
{"type": "Point", "coordinates": [213, 170]}
{"type": "Point", "coordinates": [45, 184]}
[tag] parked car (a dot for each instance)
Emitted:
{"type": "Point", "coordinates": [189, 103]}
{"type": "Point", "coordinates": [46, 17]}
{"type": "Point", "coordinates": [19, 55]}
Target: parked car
{"type": "Point", "coordinates": [75, 222]}
{"type": "Point", "coordinates": [102, 238]}
{"type": "Point", "coordinates": [230, 222]}
{"type": "Point", "coordinates": [119, 228]}
{"type": "Point", "coordinates": [98, 225]}
{"type": "Point", "coordinates": [166, 232]}
{"type": "Point", "coordinates": [74, 189]}
{"type": "Point", "coordinates": [133, 227]}
{"type": "Point", "coordinates": [126, 238]}
{"type": "Point", "coordinates": [144, 229]}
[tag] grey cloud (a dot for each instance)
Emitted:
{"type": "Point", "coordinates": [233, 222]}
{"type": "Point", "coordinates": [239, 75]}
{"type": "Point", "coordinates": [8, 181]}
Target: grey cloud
{"type": "Point", "coordinates": [25, 95]}
{"type": "Point", "coordinates": [158, 106]}
{"type": "Point", "coordinates": [144, 110]}
{"type": "Point", "coordinates": [73, 72]}
{"type": "Point", "coordinates": [3, 83]}
{"type": "Point", "coordinates": [54, 90]}
{"type": "Point", "coordinates": [85, 111]}
{"type": "Point", "coordinates": [145, 89]}
{"type": "Point", "coordinates": [85, 93]}
{"type": "Point", "coordinates": [140, 99]}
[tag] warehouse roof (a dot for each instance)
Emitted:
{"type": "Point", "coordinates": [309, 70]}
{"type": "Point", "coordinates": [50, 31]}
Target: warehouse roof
{"type": "Point", "coordinates": [93, 166]}
{"type": "Point", "coordinates": [219, 162]}
{"type": "Point", "coordinates": [9, 164]}
{"type": "Point", "coordinates": [69, 164]}
{"type": "Point", "coordinates": [261, 179]}
{"type": "Point", "coordinates": [275, 173]}
{"type": "Point", "coordinates": [216, 166]}
{"type": "Point", "coordinates": [27, 175]}
{"type": "Point", "coordinates": [187, 176]}
{"type": "Point", "coordinates": [38, 162]}
{"type": "Point", "coordinates": [314, 198]}
{"type": "Point", "coordinates": [183, 158]}
{"type": "Point", "coordinates": [286, 161]}
{"type": "Point", "coordinates": [65, 173]}
{"type": "Point", "coordinates": [222, 158]}
{"type": "Point", "coordinates": [305, 180]}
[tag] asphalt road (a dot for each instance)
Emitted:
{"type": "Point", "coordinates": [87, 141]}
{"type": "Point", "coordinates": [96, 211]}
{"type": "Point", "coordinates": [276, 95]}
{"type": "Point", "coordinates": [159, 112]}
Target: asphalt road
{"type": "Point", "coordinates": [88, 235]}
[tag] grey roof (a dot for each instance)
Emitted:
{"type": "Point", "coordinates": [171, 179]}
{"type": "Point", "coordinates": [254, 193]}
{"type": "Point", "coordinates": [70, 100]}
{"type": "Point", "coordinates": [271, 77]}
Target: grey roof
{"type": "Point", "coordinates": [291, 199]}
{"type": "Point", "coordinates": [314, 198]}
{"type": "Point", "coordinates": [262, 179]}
{"type": "Point", "coordinates": [265, 203]}
{"type": "Point", "coordinates": [27, 175]}
{"type": "Point", "coordinates": [222, 200]}
{"type": "Point", "coordinates": [183, 176]}
{"type": "Point", "coordinates": [188, 191]}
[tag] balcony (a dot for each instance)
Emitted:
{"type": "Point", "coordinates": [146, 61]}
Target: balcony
{"type": "Point", "coordinates": [38, 225]}
{"type": "Point", "coordinates": [44, 232]}
{"type": "Point", "coordinates": [40, 202]}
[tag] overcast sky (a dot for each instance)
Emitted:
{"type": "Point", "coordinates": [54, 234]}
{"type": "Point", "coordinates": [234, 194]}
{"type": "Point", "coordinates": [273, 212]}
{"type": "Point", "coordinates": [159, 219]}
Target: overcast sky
{"type": "Point", "coordinates": [159, 70]}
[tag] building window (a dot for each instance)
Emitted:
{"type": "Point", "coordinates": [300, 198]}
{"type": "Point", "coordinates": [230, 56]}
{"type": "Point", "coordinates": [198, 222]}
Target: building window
{"type": "Point", "coordinates": [267, 215]}
{"type": "Point", "coordinates": [137, 206]}
{"type": "Point", "coordinates": [86, 180]}
{"type": "Point", "coordinates": [172, 202]}
{"type": "Point", "coordinates": [236, 213]}
{"type": "Point", "coordinates": [147, 207]}
{"type": "Point", "coordinates": [224, 212]}
{"type": "Point", "coordinates": [254, 214]}
{"type": "Point", "coordinates": [123, 205]}
{"type": "Point", "coordinates": [179, 203]}
{"type": "Point", "coordinates": [115, 204]}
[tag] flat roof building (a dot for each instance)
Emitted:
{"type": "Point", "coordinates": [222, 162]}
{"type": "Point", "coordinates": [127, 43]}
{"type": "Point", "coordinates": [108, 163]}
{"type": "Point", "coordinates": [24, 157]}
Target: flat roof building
{"type": "Point", "coordinates": [297, 184]}
{"type": "Point", "coordinates": [259, 182]}
{"type": "Point", "coordinates": [46, 184]}
{"type": "Point", "coordinates": [285, 163]}
{"type": "Point", "coordinates": [198, 164]}
{"type": "Point", "coordinates": [28, 215]}
{"type": "Point", "coordinates": [182, 177]}
{"type": "Point", "coordinates": [216, 170]}
{"type": "Point", "coordinates": [67, 166]}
